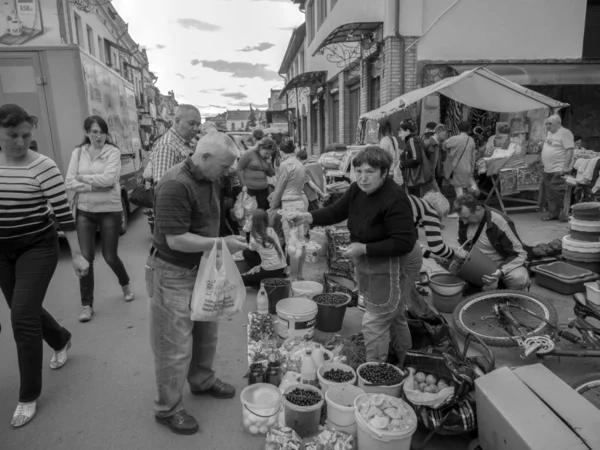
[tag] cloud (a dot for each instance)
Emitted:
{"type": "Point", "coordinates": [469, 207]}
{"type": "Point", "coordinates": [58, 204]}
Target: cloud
{"type": "Point", "coordinates": [180, 75]}
{"type": "Point", "coordinates": [195, 62]}
{"type": "Point", "coordinates": [194, 24]}
{"type": "Point", "coordinates": [258, 48]}
{"type": "Point", "coordinates": [160, 46]}
{"type": "Point", "coordinates": [240, 69]}
{"type": "Point", "coordinates": [209, 91]}
{"type": "Point", "coordinates": [218, 106]}
{"type": "Point", "coordinates": [235, 95]}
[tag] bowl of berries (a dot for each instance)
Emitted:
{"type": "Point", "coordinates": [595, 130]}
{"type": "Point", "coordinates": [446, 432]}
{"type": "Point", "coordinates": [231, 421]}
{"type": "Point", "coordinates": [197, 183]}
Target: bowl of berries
{"type": "Point", "coordinates": [381, 378]}
{"type": "Point", "coordinates": [335, 374]}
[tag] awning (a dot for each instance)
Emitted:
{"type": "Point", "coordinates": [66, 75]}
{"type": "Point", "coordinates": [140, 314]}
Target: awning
{"type": "Point", "coordinates": [479, 88]}
{"type": "Point", "coordinates": [306, 79]}
{"type": "Point", "coordinates": [542, 74]}
{"type": "Point", "coordinates": [350, 32]}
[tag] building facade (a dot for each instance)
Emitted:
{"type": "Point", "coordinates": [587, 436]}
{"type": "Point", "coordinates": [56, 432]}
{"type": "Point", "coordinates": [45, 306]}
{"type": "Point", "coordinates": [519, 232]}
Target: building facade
{"type": "Point", "coordinates": [351, 57]}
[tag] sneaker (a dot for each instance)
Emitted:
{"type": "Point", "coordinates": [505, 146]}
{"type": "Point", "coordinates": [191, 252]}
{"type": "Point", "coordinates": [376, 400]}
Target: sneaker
{"type": "Point", "coordinates": [23, 414]}
{"type": "Point", "coordinates": [86, 314]}
{"type": "Point", "coordinates": [179, 423]}
{"type": "Point", "coordinates": [127, 294]}
{"type": "Point", "coordinates": [218, 390]}
{"type": "Point", "coordinates": [59, 358]}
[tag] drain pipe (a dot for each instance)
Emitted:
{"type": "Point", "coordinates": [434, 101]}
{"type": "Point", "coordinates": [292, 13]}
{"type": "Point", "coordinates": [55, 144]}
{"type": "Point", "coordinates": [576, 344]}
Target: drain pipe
{"type": "Point", "coordinates": [401, 39]}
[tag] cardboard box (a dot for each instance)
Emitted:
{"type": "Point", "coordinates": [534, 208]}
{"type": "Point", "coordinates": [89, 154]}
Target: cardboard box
{"type": "Point", "coordinates": [530, 408]}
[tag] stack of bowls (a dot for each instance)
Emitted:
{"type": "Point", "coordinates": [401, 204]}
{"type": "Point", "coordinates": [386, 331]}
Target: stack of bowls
{"type": "Point", "coordinates": [582, 246]}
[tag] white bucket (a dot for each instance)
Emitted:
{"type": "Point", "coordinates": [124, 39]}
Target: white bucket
{"type": "Point", "coordinates": [340, 407]}
{"type": "Point", "coordinates": [326, 384]}
{"type": "Point", "coordinates": [296, 318]}
{"type": "Point", "coordinates": [312, 252]}
{"type": "Point", "coordinates": [307, 289]}
{"type": "Point", "coordinates": [370, 438]}
{"type": "Point", "coordinates": [261, 404]}
{"type": "Point", "coordinates": [393, 390]}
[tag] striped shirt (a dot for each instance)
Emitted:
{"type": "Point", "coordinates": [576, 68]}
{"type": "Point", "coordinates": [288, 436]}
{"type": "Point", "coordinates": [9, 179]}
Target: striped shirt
{"type": "Point", "coordinates": [169, 150]}
{"type": "Point", "coordinates": [426, 215]}
{"type": "Point", "coordinates": [26, 194]}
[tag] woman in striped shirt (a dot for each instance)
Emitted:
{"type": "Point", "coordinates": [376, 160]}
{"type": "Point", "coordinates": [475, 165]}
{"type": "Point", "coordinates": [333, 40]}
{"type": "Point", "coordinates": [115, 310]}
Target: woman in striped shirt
{"type": "Point", "coordinates": [29, 184]}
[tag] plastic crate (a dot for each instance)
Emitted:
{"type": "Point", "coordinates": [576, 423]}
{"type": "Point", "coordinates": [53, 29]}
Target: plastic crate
{"type": "Point", "coordinates": [563, 278]}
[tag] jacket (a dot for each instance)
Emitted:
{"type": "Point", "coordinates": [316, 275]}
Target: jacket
{"type": "Point", "coordinates": [499, 239]}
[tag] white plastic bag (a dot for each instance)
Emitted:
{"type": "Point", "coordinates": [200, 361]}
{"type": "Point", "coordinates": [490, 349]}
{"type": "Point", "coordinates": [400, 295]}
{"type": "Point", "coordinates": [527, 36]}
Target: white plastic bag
{"type": "Point", "coordinates": [219, 290]}
{"type": "Point", "coordinates": [238, 208]}
{"type": "Point", "coordinates": [416, 397]}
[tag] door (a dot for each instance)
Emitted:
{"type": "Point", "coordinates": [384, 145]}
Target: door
{"type": "Point", "coordinates": [354, 114]}
{"type": "Point", "coordinates": [22, 83]}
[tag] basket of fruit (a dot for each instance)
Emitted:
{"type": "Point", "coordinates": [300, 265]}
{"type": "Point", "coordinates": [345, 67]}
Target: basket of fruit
{"type": "Point", "coordinates": [381, 378]}
{"type": "Point", "coordinates": [427, 389]}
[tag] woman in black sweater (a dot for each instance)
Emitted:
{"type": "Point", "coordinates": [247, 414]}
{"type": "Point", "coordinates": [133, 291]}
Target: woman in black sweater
{"type": "Point", "coordinates": [383, 246]}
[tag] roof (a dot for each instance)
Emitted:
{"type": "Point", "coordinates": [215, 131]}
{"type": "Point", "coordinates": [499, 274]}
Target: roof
{"type": "Point", "coordinates": [238, 115]}
{"type": "Point", "coordinates": [295, 44]}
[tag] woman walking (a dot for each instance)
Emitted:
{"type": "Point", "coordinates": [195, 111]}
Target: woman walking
{"type": "Point", "coordinates": [254, 168]}
{"type": "Point", "coordinates": [416, 171]}
{"type": "Point", "coordinates": [383, 247]}
{"type": "Point", "coordinates": [94, 177]}
{"type": "Point", "coordinates": [29, 183]}
{"type": "Point", "coordinates": [460, 162]}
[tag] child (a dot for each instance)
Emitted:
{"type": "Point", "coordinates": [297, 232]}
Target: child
{"type": "Point", "coordinates": [264, 241]}
{"type": "Point", "coordinates": [311, 188]}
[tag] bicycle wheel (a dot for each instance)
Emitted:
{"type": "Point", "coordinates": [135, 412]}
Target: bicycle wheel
{"type": "Point", "coordinates": [589, 387]}
{"type": "Point", "coordinates": [475, 315]}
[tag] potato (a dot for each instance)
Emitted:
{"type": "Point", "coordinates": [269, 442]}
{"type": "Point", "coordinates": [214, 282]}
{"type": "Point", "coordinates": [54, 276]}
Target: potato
{"type": "Point", "coordinates": [420, 377]}
{"type": "Point", "coordinates": [428, 389]}
{"type": "Point", "coordinates": [422, 386]}
{"type": "Point", "coordinates": [434, 389]}
{"type": "Point", "coordinates": [264, 429]}
{"type": "Point", "coordinates": [431, 380]}
{"type": "Point", "coordinates": [253, 429]}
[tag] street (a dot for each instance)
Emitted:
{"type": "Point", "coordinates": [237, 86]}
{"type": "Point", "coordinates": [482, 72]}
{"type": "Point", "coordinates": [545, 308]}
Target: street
{"type": "Point", "coordinates": [102, 398]}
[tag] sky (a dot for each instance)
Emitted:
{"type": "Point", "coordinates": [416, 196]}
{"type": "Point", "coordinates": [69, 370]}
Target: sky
{"type": "Point", "coordinates": [214, 54]}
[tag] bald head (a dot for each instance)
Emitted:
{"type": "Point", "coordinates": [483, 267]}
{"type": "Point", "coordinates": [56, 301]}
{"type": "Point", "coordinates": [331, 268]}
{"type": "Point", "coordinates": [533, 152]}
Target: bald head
{"type": "Point", "coordinates": [553, 123]}
{"type": "Point", "coordinates": [209, 127]}
{"type": "Point", "coordinates": [215, 154]}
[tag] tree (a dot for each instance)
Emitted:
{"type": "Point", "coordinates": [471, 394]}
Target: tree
{"type": "Point", "coordinates": [251, 124]}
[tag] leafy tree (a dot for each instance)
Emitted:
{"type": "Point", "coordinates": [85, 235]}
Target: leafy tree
{"type": "Point", "coordinates": [251, 124]}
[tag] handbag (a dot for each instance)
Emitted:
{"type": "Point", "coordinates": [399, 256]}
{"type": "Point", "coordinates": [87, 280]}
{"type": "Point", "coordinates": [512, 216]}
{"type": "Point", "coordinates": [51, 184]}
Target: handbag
{"type": "Point", "coordinates": [142, 196]}
{"type": "Point", "coordinates": [75, 199]}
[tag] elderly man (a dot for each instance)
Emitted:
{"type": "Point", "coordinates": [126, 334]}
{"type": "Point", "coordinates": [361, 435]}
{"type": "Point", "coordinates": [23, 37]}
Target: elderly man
{"type": "Point", "coordinates": [556, 158]}
{"type": "Point", "coordinates": [495, 235]}
{"type": "Point", "coordinates": [173, 147]}
{"type": "Point", "coordinates": [187, 223]}
{"type": "Point", "coordinates": [435, 151]}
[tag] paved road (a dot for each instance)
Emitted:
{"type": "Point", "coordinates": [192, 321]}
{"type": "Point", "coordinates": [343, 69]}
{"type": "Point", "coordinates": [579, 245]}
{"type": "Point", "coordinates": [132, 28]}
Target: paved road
{"type": "Point", "coordinates": [102, 399]}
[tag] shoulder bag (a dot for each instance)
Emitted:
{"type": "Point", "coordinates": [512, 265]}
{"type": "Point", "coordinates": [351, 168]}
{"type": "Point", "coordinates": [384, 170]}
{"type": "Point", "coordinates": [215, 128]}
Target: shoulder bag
{"type": "Point", "coordinates": [144, 196]}
{"type": "Point", "coordinates": [75, 199]}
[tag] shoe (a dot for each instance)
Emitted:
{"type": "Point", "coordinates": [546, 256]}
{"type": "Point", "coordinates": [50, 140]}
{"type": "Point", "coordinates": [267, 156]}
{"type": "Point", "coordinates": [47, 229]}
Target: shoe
{"type": "Point", "coordinates": [59, 358]}
{"type": "Point", "coordinates": [127, 294]}
{"type": "Point", "coordinates": [23, 414]}
{"type": "Point", "coordinates": [218, 390]}
{"type": "Point", "coordinates": [86, 314]}
{"type": "Point", "coordinates": [179, 423]}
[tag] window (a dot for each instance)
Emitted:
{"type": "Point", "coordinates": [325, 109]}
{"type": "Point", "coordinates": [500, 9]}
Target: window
{"type": "Point", "coordinates": [310, 21]}
{"type": "Point", "coordinates": [90, 38]}
{"type": "Point", "coordinates": [242, 125]}
{"type": "Point", "coordinates": [232, 126]}
{"type": "Point", "coordinates": [354, 108]}
{"type": "Point", "coordinates": [101, 50]}
{"type": "Point", "coordinates": [333, 2]}
{"type": "Point", "coordinates": [374, 93]}
{"type": "Point", "coordinates": [78, 30]}
{"type": "Point", "coordinates": [322, 11]}
{"type": "Point", "coordinates": [335, 118]}
{"type": "Point", "coordinates": [591, 33]}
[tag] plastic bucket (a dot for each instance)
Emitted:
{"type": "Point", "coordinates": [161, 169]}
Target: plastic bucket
{"type": "Point", "coordinates": [370, 438]}
{"type": "Point", "coordinates": [320, 237]}
{"type": "Point", "coordinates": [312, 252]}
{"type": "Point", "coordinates": [446, 303]}
{"type": "Point", "coordinates": [307, 289]}
{"type": "Point", "coordinates": [326, 384]}
{"type": "Point", "coordinates": [261, 405]}
{"type": "Point", "coordinates": [445, 284]}
{"type": "Point", "coordinates": [304, 420]}
{"type": "Point", "coordinates": [475, 267]}
{"type": "Point", "coordinates": [330, 318]}
{"type": "Point", "coordinates": [296, 318]}
{"type": "Point", "coordinates": [340, 407]}
{"type": "Point", "coordinates": [393, 391]}
{"type": "Point", "coordinates": [277, 289]}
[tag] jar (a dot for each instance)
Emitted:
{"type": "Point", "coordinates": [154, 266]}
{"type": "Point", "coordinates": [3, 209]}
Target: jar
{"type": "Point", "coordinates": [274, 375]}
{"type": "Point", "coordinates": [257, 374]}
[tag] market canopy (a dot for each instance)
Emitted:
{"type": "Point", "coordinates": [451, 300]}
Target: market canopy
{"type": "Point", "coordinates": [306, 79]}
{"type": "Point", "coordinates": [479, 88]}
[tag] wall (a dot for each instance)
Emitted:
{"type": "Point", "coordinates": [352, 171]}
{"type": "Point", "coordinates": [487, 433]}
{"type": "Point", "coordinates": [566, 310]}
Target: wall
{"type": "Point", "coordinates": [496, 30]}
{"type": "Point", "coordinates": [38, 24]}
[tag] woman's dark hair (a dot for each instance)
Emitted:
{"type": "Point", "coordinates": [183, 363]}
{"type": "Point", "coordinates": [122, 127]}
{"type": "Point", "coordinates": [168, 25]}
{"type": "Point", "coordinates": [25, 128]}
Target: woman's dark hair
{"type": "Point", "coordinates": [257, 135]}
{"type": "Point", "coordinates": [375, 157]}
{"type": "Point", "coordinates": [302, 155]}
{"type": "Point", "coordinates": [12, 115]}
{"type": "Point", "coordinates": [386, 127]}
{"type": "Point", "coordinates": [464, 127]}
{"type": "Point", "coordinates": [431, 125]}
{"type": "Point", "coordinates": [288, 146]}
{"type": "Point", "coordinates": [260, 223]}
{"type": "Point", "coordinates": [266, 143]}
{"type": "Point", "coordinates": [87, 126]}
{"type": "Point", "coordinates": [408, 125]}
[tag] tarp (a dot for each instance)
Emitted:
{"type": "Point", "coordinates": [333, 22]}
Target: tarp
{"type": "Point", "coordinates": [479, 88]}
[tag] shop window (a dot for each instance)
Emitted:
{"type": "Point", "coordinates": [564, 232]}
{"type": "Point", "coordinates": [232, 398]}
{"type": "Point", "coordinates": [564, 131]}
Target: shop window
{"type": "Point", "coordinates": [374, 93]}
{"type": "Point", "coordinates": [591, 33]}
{"type": "Point", "coordinates": [335, 118]}
{"type": "Point", "coordinates": [354, 113]}
{"type": "Point", "coordinates": [322, 11]}
{"type": "Point", "coordinates": [78, 30]}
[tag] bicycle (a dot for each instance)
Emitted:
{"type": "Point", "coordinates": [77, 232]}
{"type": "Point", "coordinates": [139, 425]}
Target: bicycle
{"type": "Point", "coordinates": [505, 318]}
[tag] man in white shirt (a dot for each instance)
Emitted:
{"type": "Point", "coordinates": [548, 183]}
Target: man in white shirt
{"type": "Point", "coordinates": [556, 158]}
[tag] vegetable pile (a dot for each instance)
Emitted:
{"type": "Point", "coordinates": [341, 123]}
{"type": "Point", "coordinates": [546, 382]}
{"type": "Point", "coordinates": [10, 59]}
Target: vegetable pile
{"type": "Point", "coordinates": [283, 439]}
{"type": "Point", "coordinates": [303, 397]}
{"type": "Point", "coordinates": [330, 299]}
{"type": "Point", "coordinates": [381, 374]}
{"type": "Point", "coordinates": [429, 383]}
{"type": "Point", "coordinates": [331, 440]}
{"type": "Point", "coordinates": [261, 326]}
{"type": "Point", "coordinates": [338, 376]}
{"type": "Point", "coordinates": [386, 413]}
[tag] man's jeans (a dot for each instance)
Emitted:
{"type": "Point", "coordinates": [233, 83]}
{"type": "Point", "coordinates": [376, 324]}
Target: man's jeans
{"type": "Point", "coordinates": [554, 189]}
{"type": "Point", "coordinates": [181, 347]}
